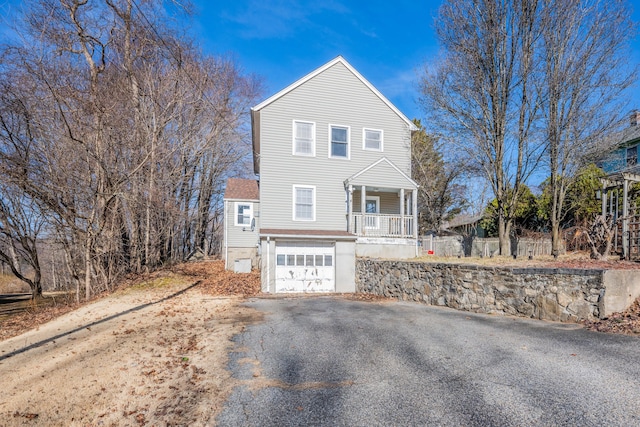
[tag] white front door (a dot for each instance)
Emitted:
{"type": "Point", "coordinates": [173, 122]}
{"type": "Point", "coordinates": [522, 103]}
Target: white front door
{"type": "Point", "coordinates": [305, 267]}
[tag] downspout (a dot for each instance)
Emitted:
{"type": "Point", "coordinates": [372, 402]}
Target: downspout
{"type": "Point", "coordinates": [226, 245]}
{"type": "Point", "coordinates": [414, 212]}
{"type": "Point", "coordinates": [268, 263]}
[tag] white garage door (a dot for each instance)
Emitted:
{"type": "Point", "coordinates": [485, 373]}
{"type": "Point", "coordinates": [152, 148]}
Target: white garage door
{"type": "Point", "coordinates": [305, 267]}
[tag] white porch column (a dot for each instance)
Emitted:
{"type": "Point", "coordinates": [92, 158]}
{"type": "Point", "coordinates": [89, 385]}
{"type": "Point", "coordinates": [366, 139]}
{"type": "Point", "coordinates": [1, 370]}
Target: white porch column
{"type": "Point", "coordinates": [363, 207]}
{"type": "Point", "coordinates": [414, 211]}
{"type": "Point", "coordinates": [402, 202]}
{"type": "Point", "coordinates": [603, 198]}
{"type": "Point", "coordinates": [350, 209]}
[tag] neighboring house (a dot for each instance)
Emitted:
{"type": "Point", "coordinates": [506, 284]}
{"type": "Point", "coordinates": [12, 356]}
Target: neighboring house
{"type": "Point", "coordinates": [624, 158]}
{"type": "Point", "coordinates": [465, 225]}
{"type": "Point", "coordinates": [334, 160]}
{"type": "Point", "coordinates": [241, 225]}
{"type": "Point", "coordinates": [623, 170]}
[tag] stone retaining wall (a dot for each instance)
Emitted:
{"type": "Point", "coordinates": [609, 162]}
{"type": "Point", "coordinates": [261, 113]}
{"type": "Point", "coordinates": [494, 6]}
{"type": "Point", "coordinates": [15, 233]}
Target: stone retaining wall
{"type": "Point", "coordinates": [567, 295]}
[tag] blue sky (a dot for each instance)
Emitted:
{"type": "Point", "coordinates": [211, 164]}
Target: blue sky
{"type": "Point", "coordinates": [282, 40]}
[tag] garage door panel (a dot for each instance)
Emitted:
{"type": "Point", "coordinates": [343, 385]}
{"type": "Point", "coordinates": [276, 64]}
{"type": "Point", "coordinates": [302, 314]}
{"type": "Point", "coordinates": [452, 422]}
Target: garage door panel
{"type": "Point", "coordinates": [305, 267]}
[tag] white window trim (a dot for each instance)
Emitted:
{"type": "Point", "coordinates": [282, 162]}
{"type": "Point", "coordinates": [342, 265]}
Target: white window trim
{"type": "Point", "coordinates": [348, 128]}
{"type": "Point", "coordinates": [235, 221]}
{"type": "Point", "coordinates": [293, 198]}
{"type": "Point", "coordinates": [293, 138]}
{"type": "Point", "coordinates": [364, 139]}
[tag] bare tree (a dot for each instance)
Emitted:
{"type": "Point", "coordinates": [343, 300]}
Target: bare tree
{"type": "Point", "coordinates": [584, 51]}
{"type": "Point", "coordinates": [481, 93]}
{"type": "Point", "coordinates": [126, 133]}
{"type": "Point", "coordinates": [440, 195]}
{"type": "Point", "coordinates": [20, 226]}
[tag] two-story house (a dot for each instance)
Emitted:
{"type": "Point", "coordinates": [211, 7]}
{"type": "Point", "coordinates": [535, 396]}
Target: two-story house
{"type": "Point", "coordinates": [334, 160]}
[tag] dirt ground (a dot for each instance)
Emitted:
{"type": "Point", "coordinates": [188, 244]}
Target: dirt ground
{"type": "Point", "coordinates": [152, 354]}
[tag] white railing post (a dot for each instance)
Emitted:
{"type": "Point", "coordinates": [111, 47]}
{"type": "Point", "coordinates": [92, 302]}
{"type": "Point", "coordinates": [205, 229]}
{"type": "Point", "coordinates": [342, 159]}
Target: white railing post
{"type": "Point", "coordinates": [402, 202]}
{"type": "Point", "coordinates": [363, 208]}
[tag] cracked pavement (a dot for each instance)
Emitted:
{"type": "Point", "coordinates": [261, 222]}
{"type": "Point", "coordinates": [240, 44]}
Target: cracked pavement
{"type": "Point", "coordinates": [338, 362]}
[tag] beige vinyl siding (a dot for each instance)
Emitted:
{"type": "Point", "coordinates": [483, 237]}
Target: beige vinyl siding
{"type": "Point", "coordinates": [335, 96]}
{"type": "Point", "coordinates": [389, 202]}
{"type": "Point", "coordinates": [236, 238]}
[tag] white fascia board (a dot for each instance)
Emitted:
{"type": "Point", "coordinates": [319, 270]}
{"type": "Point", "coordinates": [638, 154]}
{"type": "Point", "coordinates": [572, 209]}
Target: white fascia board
{"type": "Point", "coordinates": [376, 163]}
{"type": "Point", "coordinates": [309, 237]}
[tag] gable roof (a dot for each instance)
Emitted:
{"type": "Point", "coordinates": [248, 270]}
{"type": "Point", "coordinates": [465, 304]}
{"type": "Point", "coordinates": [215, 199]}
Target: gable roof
{"type": "Point", "coordinates": [341, 60]}
{"type": "Point", "coordinates": [255, 111]}
{"type": "Point", "coordinates": [242, 189]}
{"type": "Point", "coordinates": [375, 170]}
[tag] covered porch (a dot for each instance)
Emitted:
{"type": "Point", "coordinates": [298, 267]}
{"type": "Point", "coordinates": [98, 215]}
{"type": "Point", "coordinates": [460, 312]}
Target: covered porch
{"type": "Point", "coordinates": [382, 203]}
{"type": "Point", "coordinates": [382, 212]}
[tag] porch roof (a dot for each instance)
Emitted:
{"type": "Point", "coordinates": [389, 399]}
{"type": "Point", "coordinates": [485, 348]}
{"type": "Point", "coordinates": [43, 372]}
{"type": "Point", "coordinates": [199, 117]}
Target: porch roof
{"type": "Point", "coordinates": [382, 173]}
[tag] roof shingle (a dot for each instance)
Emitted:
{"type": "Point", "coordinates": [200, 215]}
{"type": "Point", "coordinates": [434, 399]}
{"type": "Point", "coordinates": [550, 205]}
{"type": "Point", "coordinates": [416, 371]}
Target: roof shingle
{"type": "Point", "coordinates": [242, 189]}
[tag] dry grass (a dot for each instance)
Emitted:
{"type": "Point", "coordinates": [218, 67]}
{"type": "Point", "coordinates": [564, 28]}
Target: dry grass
{"type": "Point", "coordinates": [213, 278]}
{"type": "Point", "coordinates": [9, 284]}
{"type": "Point", "coordinates": [571, 260]}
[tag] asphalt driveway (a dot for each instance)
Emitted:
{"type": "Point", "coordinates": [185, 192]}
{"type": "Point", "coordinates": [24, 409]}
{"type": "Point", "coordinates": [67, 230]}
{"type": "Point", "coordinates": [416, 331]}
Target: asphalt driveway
{"type": "Point", "coordinates": [336, 362]}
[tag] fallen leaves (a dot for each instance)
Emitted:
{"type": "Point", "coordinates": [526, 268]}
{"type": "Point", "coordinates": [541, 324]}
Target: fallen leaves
{"type": "Point", "coordinates": [28, 416]}
{"type": "Point", "coordinates": [215, 280]}
{"type": "Point", "coordinates": [626, 322]}
{"type": "Point", "coordinates": [29, 319]}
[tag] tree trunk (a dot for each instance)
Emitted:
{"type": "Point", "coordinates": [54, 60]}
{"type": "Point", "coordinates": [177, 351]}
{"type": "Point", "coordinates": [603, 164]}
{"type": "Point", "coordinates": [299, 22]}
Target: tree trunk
{"type": "Point", "coordinates": [87, 269]}
{"type": "Point", "coordinates": [504, 240]}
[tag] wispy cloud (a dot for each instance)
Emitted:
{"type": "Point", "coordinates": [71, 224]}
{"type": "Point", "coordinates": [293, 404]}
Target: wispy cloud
{"type": "Point", "coordinates": [402, 90]}
{"type": "Point", "coordinates": [401, 83]}
{"type": "Point", "coordinates": [258, 19]}
{"type": "Point", "coordinates": [368, 33]}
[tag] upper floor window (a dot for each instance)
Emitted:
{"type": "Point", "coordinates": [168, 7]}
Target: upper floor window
{"type": "Point", "coordinates": [304, 138]}
{"type": "Point", "coordinates": [243, 213]}
{"type": "Point", "coordinates": [632, 156]}
{"type": "Point", "coordinates": [339, 145]}
{"type": "Point", "coordinates": [372, 139]}
{"type": "Point", "coordinates": [304, 203]}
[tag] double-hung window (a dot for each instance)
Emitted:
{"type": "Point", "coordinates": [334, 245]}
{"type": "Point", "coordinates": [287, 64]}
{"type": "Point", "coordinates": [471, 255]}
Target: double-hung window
{"type": "Point", "coordinates": [304, 138]}
{"type": "Point", "coordinates": [243, 213]}
{"type": "Point", "coordinates": [304, 203]}
{"type": "Point", "coordinates": [339, 144]}
{"type": "Point", "coordinates": [372, 139]}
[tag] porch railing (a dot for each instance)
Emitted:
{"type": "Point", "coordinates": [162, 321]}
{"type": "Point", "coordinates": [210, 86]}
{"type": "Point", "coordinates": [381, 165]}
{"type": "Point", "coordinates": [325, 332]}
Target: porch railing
{"type": "Point", "coordinates": [382, 225]}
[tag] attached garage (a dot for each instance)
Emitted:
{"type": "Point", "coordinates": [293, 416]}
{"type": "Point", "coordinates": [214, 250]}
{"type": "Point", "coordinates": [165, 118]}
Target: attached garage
{"type": "Point", "coordinates": [307, 261]}
{"type": "Point", "coordinates": [305, 267]}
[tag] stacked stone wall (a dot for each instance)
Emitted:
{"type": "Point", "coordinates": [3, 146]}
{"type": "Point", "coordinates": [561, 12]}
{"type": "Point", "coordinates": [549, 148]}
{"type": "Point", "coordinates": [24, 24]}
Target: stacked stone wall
{"type": "Point", "coordinates": [568, 295]}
